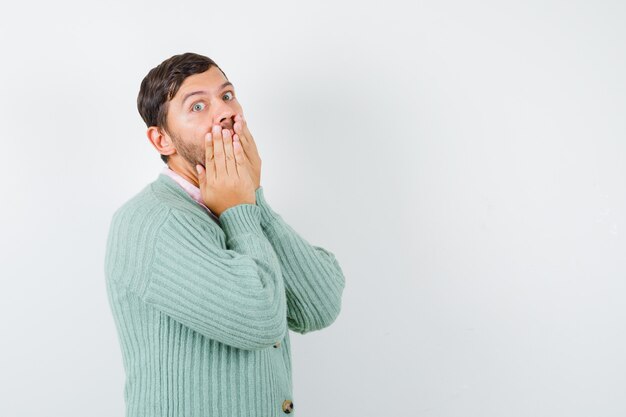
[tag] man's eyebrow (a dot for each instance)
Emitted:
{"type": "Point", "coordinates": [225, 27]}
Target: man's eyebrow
{"type": "Point", "coordinates": [193, 93]}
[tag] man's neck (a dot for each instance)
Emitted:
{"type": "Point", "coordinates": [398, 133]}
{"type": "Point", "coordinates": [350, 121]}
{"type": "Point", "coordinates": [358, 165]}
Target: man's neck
{"type": "Point", "coordinates": [184, 172]}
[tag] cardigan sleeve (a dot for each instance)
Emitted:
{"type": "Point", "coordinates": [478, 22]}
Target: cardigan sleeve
{"type": "Point", "coordinates": [234, 295]}
{"type": "Point", "coordinates": [313, 279]}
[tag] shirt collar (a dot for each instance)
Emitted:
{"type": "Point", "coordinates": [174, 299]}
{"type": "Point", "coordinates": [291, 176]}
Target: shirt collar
{"type": "Point", "coordinates": [191, 189]}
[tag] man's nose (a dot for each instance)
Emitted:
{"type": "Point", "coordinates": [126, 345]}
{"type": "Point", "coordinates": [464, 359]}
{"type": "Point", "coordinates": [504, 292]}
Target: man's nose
{"type": "Point", "coordinates": [225, 118]}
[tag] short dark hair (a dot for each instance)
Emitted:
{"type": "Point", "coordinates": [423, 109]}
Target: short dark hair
{"type": "Point", "coordinates": [162, 83]}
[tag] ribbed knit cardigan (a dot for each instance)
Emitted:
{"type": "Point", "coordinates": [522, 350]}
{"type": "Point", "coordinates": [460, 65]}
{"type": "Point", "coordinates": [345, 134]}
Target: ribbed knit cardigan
{"type": "Point", "coordinates": [203, 307]}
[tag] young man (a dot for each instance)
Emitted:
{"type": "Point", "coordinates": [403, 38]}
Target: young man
{"type": "Point", "coordinates": [204, 279]}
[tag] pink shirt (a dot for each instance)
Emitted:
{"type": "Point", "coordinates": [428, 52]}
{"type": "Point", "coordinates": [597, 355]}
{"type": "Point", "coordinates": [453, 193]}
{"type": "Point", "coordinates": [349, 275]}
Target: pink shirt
{"type": "Point", "coordinates": [192, 190]}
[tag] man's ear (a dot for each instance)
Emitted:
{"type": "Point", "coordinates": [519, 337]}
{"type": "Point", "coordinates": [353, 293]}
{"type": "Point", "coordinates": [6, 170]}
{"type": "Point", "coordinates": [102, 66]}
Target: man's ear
{"type": "Point", "coordinates": [161, 141]}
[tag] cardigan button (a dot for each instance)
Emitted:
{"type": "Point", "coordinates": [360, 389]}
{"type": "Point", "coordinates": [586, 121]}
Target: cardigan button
{"type": "Point", "coordinates": [287, 406]}
{"type": "Point", "coordinates": [277, 344]}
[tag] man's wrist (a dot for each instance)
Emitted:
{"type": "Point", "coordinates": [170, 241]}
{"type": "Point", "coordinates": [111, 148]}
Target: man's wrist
{"type": "Point", "coordinates": [241, 219]}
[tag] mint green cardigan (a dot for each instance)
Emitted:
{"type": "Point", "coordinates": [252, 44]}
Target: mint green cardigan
{"type": "Point", "coordinates": [203, 307]}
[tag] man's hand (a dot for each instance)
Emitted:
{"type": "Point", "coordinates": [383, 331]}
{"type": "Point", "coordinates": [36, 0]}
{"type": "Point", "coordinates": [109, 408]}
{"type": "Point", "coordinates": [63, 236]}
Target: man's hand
{"type": "Point", "coordinates": [225, 180]}
{"type": "Point", "coordinates": [249, 147]}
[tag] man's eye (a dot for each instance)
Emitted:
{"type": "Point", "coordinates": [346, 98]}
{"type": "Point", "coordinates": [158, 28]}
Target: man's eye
{"type": "Point", "coordinates": [197, 107]}
{"type": "Point", "coordinates": [229, 94]}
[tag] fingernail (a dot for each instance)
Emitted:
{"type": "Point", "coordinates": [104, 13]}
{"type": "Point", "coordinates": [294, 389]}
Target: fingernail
{"type": "Point", "coordinates": [198, 169]}
{"type": "Point", "coordinates": [216, 129]}
{"type": "Point", "coordinates": [209, 137]}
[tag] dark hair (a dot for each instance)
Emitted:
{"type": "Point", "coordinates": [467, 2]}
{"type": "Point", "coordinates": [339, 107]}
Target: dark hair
{"type": "Point", "coordinates": [162, 83]}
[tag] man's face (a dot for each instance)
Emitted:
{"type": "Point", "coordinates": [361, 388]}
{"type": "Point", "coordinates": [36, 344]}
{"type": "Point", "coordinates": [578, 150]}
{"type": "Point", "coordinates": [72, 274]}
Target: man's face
{"type": "Point", "coordinates": [202, 100]}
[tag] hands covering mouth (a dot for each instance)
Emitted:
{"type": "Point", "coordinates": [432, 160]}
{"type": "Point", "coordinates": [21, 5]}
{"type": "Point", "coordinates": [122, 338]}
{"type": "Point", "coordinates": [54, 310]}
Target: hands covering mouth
{"type": "Point", "coordinates": [227, 178]}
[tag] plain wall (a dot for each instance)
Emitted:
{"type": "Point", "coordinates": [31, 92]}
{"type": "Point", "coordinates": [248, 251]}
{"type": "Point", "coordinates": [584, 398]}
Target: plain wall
{"type": "Point", "coordinates": [465, 162]}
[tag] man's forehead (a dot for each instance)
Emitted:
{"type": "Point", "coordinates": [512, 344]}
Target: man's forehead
{"type": "Point", "coordinates": [210, 80]}
{"type": "Point", "coordinates": [204, 91]}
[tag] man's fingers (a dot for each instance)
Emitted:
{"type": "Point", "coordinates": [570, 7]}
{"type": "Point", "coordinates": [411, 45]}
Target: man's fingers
{"type": "Point", "coordinates": [238, 126]}
{"type": "Point", "coordinates": [218, 153]}
{"type": "Point", "coordinates": [201, 176]}
{"type": "Point", "coordinates": [240, 157]}
{"type": "Point", "coordinates": [247, 140]}
{"type": "Point", "coordinates": [209, 160]}
{"type": "Point", "coordinates": [231, 166]}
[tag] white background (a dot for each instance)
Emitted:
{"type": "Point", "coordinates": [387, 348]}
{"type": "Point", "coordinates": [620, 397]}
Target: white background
{"type": "Point", "coordinates": [465, 161]}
